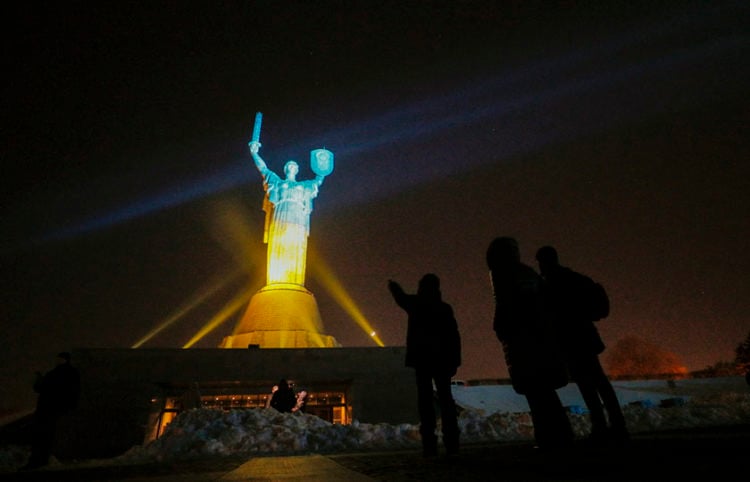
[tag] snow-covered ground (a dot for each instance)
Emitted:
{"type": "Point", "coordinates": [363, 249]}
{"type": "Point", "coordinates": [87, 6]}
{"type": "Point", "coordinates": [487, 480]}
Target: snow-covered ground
{"type": "Point", "coordinates": [501, 398]}
{"type": "Point", "coordinates": [489, 413]}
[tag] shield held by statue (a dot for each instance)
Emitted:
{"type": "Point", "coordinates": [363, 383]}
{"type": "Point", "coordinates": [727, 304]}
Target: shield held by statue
{"type": "Point", "coordinates": [321, 162]}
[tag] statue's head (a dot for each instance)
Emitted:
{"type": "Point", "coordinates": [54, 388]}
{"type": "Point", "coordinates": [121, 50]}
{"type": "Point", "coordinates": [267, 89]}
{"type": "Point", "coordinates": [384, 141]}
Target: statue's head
{"type": "Point", "coordinates": [291, 169]}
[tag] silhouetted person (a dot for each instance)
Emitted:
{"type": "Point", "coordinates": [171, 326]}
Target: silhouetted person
{"type": "Point", "coordinates": [582, 346]}
{"type": "Point", "coordinates": [433, 349]}
{"type": "Point", "coordinates": [533, 357]}
{"type": "Point", "coordinates": [191, 397]}
{"type": "Point", "coordinates": [59, 390]}
{"type": "Point", "coordinates": [284, 398]}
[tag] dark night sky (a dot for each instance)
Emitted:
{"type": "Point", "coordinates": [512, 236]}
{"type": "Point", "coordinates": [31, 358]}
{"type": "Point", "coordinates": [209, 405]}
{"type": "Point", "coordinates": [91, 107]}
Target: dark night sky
{"type": "Point", "coordinates": [616, 131]}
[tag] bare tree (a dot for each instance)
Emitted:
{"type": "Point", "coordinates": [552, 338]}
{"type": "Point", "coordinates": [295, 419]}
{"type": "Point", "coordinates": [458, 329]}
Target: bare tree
{"type": "Point", "coordinates": [635, 357]}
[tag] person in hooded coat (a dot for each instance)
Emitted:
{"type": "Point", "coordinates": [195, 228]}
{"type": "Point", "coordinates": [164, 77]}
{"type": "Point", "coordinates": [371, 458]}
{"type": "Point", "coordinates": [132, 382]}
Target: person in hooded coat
{"type": "Point", "coordinates": [523, 325]}
{"type": "Point", "coordinates": [59, 390]}
{"type": "Point", "coordinates": [433, 349]}
{"type": "Point", "coordinates": [283, 399]}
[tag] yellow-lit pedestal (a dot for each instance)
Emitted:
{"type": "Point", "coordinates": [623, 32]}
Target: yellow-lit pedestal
{"type": "Point", "coordinates": [280, 315]}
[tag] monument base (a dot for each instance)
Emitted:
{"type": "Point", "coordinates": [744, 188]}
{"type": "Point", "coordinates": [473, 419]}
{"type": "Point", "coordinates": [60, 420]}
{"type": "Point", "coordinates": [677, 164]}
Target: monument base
{"type": "Point", "coordinates": [279, 339]}
{"type": "Point", "coordinates": [124, 391]}
{"type": "Point", "coordinates": [282, 315]}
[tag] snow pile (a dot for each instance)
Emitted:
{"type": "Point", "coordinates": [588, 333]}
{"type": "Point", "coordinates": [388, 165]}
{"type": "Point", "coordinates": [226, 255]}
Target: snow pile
{"type": "Point", "coordinates": [699, 411]}
{"type": "Point", "coordinates": [12, 457]}
{"type": "Point", "coordinates": [210, 432]}
{"type": "Point", "coordinates": [204, 432]}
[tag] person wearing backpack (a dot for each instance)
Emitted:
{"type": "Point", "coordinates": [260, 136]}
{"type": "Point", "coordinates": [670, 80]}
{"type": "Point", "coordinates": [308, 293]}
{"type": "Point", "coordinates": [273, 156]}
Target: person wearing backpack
{"type": "Point", "coordinates": [433, 349]}
{"type": "Point", "coordinates": [577, 302]}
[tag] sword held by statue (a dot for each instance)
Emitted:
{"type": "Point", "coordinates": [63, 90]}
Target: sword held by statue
{"type": "Point", "coordinates": [256, 127]}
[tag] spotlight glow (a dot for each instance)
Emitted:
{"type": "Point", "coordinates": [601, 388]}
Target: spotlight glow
{"type": "Point", "coordinates": [223, 315]}
{"type": "Point", "coordinates": [197, 299]}
{"type": "Point", "coordinates": [323, 273]}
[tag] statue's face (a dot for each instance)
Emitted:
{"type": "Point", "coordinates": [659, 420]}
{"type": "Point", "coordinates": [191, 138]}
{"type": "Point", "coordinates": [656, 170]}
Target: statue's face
{"type": "Point", "coordinates": [291, 169]}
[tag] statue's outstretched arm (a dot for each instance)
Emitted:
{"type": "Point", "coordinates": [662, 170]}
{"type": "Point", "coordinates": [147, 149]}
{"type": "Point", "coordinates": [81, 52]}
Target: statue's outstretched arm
{"type": "Point", "coordinates": [259, 162]}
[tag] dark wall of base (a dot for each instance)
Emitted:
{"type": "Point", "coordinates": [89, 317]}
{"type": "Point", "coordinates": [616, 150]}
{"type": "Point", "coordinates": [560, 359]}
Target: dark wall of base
{"type": "Point", "coordinates": [123, 390]}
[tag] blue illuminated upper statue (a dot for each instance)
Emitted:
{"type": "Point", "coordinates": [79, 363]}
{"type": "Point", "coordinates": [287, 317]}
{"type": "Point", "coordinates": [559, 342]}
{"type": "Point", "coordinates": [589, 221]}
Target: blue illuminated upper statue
{"type": "Point", "coordinates": [288, 204]}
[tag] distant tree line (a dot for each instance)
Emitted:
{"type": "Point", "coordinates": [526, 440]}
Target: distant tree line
{"type": "Point", "coordinates": [632, 357]}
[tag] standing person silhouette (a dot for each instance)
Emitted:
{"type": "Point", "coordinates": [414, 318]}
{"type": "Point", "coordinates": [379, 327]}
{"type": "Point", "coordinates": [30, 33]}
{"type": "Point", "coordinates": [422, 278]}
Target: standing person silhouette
{"type": "Point", "coordinates": [59, 390]}
{"type": "Point", "coordinates": [433, 349]}
{"type": "Point", "coordinates": [582, 346]}
{"type": "Point", "coordinates": [523, 326]}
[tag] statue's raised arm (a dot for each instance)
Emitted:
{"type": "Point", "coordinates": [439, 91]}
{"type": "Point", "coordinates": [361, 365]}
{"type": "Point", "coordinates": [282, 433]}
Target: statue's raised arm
{"type": "Point", "coordinates": [259, 162]}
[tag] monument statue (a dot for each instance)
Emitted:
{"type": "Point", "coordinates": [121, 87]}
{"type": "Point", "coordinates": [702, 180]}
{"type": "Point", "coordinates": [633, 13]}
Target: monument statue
{"type": "Point", "coordinates": [288, 204]}
{"type": "Point", "coordinates": [284, 314]}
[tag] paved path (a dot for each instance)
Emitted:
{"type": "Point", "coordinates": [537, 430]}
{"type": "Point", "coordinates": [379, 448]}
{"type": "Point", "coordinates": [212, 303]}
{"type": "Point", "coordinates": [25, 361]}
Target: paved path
{"type": "Point", "coordinates": [695, 454]}
{"type": "Point", "coordinates": [305, 467]}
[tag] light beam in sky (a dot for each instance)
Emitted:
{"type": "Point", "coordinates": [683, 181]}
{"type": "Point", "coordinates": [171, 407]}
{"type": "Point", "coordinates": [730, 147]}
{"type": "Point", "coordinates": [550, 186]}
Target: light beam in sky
{"type": "Point", "coordinates": [232, 229]}
{"type": "Point", "coordinates": [232, 306]}
{"type": "Point", "coordinates": [328, 279]}
{"type": "Point", "coordinates": [319, 269]}
{"type": "Point", "coordinates": [199, 297]}
{"type": "Point", "coordinates": [502, 98]}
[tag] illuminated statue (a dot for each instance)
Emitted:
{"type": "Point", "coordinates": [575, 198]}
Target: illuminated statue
{"type": "Point", "coordinates": [284, 314]}
{"type": "Point", "coordinates": [288, 204]}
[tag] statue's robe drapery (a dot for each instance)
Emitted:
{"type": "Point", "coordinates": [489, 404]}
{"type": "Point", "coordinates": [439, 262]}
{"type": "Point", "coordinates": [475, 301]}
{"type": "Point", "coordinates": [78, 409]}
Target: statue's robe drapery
{"type": "Point", "coordinates": [288, 206]}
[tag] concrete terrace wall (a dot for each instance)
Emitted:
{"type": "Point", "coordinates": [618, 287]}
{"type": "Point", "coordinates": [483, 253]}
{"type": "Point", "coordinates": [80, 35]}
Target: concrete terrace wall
{"type": "Point", "coordinates": [123, 390]}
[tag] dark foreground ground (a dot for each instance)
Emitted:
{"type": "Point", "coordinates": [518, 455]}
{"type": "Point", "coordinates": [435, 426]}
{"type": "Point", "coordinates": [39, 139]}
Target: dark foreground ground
{"type": "Point", "coordinates": [721, 453]}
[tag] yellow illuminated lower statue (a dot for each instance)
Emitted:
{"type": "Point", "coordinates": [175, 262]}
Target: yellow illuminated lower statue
{"type": "Point", "coordinates": [284, 314]}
